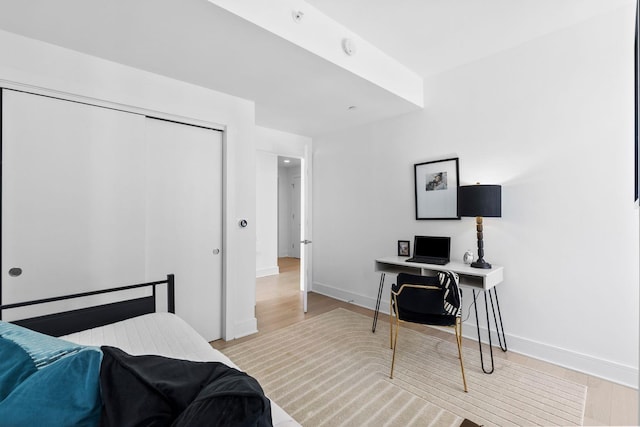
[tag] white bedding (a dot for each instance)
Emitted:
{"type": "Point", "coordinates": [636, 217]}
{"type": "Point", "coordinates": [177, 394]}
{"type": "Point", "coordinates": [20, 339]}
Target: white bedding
{"type": "Point", "coordinates": [163, 334]}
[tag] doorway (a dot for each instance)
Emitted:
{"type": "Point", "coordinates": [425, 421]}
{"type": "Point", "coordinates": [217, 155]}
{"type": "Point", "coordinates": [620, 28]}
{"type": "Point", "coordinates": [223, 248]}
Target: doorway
{"type": "Point", "coordinates": [296, 149]}
{"type": "Point", "coordinates": [281, 292]}
{"type": "Point", "coordinates": [289, 223]}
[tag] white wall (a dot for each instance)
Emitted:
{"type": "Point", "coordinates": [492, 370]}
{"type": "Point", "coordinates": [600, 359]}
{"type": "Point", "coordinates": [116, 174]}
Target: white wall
{"type": "Point", "coordinates": [552, 122]}
{"type": "Point", "coordinates": [34, 63]}
{"type": "Point", "coordinates": [266, 214]}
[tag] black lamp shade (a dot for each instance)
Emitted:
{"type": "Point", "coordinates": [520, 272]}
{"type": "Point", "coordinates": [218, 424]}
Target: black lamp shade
{"type": "Point", "coordinates": [480, 200]}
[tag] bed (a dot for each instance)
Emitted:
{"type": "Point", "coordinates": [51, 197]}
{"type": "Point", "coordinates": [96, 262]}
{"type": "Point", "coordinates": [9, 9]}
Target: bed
{"type": "Point", "coordinates": [124, 330]}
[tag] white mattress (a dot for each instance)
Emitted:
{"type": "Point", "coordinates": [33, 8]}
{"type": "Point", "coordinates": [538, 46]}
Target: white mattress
{"type": "Point", "coordinates": [163, 334]}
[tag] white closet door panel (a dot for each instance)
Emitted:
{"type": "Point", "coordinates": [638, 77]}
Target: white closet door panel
{"type": "Point", "coordinates": [72, 197]}
{"type": "Point", "coordinates": [184, 219]}
{"type": "Point", "coordinates": [296, 216]}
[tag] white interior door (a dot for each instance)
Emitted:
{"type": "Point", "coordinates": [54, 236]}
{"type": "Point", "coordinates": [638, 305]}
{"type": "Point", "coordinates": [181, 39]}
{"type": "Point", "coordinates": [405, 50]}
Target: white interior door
{"type": "Point", "coordinates": [306, 254]}
{"type": "Point", "coordinates": [184, 219]}
{"type": "Point", "coordinates": [72, 198]}
{"type": "Point", "coordinates": [296, 216]}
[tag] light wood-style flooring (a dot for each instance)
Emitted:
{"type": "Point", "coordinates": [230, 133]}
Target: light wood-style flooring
{"type": "Point", "coordinates": [279, 304]}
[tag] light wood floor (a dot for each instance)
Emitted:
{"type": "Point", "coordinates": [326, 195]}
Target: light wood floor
{"type": "Point", "coordinates": [279, 304]}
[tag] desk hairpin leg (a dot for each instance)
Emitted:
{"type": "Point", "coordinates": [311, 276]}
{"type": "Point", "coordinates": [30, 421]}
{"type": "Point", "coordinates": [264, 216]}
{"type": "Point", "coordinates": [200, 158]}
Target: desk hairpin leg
{"type": "Point", "coordinates": [375, 315]}
{"type": "Point", "coordinates": [501, 339]}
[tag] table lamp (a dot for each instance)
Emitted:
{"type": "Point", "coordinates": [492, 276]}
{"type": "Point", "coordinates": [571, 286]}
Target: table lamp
{"type": "Point", "coordinates": [480, 201]}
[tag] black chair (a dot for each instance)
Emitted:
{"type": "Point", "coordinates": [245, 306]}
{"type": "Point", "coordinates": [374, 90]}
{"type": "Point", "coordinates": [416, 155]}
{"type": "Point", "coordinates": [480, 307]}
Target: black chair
{"type": "Point", "coordinates": [427, 300]}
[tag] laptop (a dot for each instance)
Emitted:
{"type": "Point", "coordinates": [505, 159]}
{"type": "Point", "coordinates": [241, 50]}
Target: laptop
{"type": "Point", "coordinates": [431, 250]}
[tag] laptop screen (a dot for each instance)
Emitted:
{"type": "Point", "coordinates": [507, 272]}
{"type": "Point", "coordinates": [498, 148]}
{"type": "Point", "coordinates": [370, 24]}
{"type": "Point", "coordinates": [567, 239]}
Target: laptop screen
{"type": "Point", "coordinates": [436, 247]}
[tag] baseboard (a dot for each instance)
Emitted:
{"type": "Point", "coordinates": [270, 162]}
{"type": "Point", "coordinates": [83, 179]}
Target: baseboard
{"type": "Point", "coordinates": [597, 367]}
{"type": "Point", "coordinates": [245, 327]}
{"type": "Point", "coordinates": [269, 271]}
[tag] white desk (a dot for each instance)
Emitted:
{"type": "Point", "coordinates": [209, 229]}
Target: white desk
{"type": "Point", "coordinates": [477, 279]}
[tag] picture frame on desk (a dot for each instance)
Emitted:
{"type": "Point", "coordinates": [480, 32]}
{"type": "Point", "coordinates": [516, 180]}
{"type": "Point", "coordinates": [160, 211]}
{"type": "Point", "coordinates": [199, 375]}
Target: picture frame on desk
{"type": "Point", "coordinates": [436, 189]}
{"type": "Point", "coordinates": [404, 248]}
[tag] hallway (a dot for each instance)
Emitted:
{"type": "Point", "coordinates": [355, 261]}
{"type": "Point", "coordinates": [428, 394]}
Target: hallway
{"type": "Point", "coordinates": [278, 297]}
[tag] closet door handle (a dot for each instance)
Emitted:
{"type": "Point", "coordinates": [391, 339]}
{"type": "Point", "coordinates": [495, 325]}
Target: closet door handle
{"type": "Point", "coordinates": [305, 242]}
{"type": "Point", "coordinates": [15, 271]}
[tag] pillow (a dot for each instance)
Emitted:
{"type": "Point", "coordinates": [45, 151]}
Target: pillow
{"type": "Point", "coordinates": [15, 366]}
{"type": "Point", "coordinates": [46, 380]}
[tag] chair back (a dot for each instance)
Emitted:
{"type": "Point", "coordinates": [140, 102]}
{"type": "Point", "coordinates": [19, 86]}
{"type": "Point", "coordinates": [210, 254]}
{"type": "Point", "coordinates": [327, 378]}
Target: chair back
{"type": "Point", "coordinates": [425, 299]}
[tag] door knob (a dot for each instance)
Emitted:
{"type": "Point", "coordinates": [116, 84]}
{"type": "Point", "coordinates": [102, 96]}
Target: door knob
{"type": "Point", "coordinates": [305, 242]}
{"type": "Point", "coordinates": [15, 271]}
{"type": "Point", "coordinates": [216, 251]}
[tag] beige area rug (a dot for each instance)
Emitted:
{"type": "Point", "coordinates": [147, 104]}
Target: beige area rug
{"type": "Point", "coordinates": [331, 370]}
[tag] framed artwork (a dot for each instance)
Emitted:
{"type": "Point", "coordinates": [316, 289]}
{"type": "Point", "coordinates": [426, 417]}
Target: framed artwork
{"type": "Point", "coordinates": [436, 186]}
{"type": "Point", "coordinates": [403, 248]}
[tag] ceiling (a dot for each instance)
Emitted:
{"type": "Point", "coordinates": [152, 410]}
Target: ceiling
{"type": "Point", "coordinates": [431, 36]}
{"type": "Point", "coordinates": [294, 90]}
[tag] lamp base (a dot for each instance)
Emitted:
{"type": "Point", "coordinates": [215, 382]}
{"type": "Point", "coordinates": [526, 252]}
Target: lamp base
{"type": "Point", "coordinates": [480, 264]}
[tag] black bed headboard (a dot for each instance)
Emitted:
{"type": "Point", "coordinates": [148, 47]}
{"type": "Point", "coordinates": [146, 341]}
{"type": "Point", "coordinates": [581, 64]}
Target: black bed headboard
{"type": "Point", "coordinates": [67, 322]}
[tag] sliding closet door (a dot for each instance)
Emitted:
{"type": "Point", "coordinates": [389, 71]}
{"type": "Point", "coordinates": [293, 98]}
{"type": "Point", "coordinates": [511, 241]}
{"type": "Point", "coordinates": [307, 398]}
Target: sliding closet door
{"type": "Point", "coordinates": [184, 218]}
{"type": "Point", "coordinates": [72, 197]}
